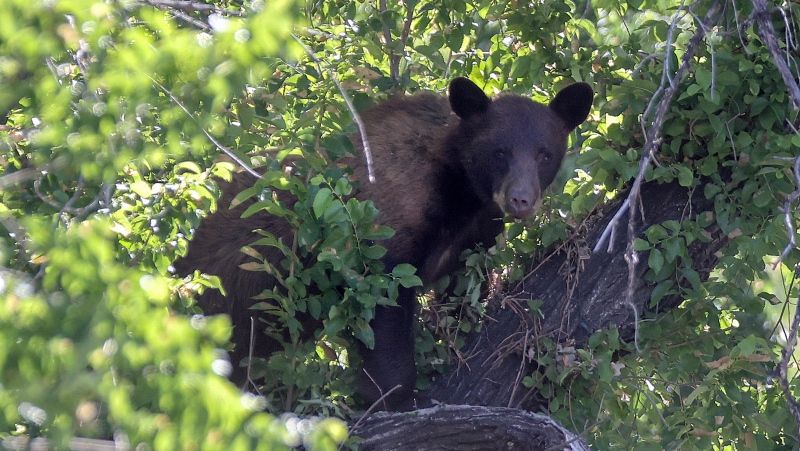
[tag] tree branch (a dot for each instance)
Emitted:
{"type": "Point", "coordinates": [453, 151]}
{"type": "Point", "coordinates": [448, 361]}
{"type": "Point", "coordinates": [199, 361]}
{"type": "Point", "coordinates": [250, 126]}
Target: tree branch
{"type": "Point", "coordinates": [767, 33]}
{"type": "Point", "coordinates": [192, 6]}
{"type": "Point", "coordinates": [465, 427]}
{"type": "Point", "coordinates": [213, 140]}
{"type": "Point", "coordinates": [362, 129]}
{"type": "Point", "coordinates": [653, 140]}
{"type": "Point", "coordinates": [782, 370]}
{"type": "Point", "coordinates": [579, 296]}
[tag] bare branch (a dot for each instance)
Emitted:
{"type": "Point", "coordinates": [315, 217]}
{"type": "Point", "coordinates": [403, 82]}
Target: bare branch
{"type": "Point", "coordinates": [783, 367]}
{"type": "Point", "coordinates": [23, 442]}
{"type": "Point", "coordinates": [190, 20]}
{"type": "Point", "coordinates": [21, 176]}
{"type": "Point", "coordinates": [213, 140]}
{"type": "Point", "coordinates": [376, 404]}
{"type": "Point", "coordinates": [781, 371]}
{"type": "Point", "coordinates": [407, 25]}
{"type": "Point", "coordinates": [767, 33]}
{"type": "Point", "coordinates": [362, 129]}
{"type": "Point", "coordinates": [669, 86]}
{"type": "Point", "coordinates": [653, 136]}
{"type": "Point", "coordinates": [192, 6]}
{"type": "Point", "coordinates": [787, 218]}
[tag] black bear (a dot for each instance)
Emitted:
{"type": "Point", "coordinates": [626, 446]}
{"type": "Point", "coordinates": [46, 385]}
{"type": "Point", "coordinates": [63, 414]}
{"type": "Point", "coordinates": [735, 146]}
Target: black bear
{"type": "Point", "coordinates": [446, 172]}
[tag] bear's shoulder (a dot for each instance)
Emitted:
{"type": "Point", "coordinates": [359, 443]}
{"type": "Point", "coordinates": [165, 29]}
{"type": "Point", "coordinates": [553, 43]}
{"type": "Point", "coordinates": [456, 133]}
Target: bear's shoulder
{"type": "Point", "coordinates": [422, 109]}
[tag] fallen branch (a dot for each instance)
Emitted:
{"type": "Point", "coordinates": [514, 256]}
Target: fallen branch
{"type": "Point", "coordinates": [465, 427]}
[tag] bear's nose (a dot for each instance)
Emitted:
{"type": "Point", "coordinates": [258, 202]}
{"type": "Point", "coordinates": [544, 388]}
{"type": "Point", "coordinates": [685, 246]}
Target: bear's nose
{"type": "Point", "coordinates": [521, 203]}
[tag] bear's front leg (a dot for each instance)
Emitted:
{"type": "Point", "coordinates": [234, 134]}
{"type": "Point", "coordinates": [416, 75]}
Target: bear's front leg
{"type": "Point", "coordinates": [391, 363]}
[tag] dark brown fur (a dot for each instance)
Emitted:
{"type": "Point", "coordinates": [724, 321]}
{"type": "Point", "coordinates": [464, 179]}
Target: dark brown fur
{"type": "Point", "coordinates": [443, 183]}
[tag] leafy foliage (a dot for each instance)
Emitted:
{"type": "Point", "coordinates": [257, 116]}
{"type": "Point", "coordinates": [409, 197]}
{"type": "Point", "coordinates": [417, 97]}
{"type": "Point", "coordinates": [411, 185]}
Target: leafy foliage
{"type": "Point", "coordinates": [115, 116]}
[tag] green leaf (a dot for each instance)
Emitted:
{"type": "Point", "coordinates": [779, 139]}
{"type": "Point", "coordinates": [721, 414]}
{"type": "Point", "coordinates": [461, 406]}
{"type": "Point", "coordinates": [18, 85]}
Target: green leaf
{"type": "Point", "coordinates": [694, 394]}
{"type": "Point", "coordinates": [685, 176]}
{"type": "Point", "coordinates": [662, 289]}
{"type": "Point", "coordinates": [403, 270]}
{"type": "Point", "coordinates": [410, 281]}
{"type": "Point", "coordinates": [640, 245]}
{"type": "Point", "coordinates": [703, 77]}
{"type": "Point", "coordinates": [763, 199]}
{"type": "Point", "coordinates": [373, 252]}
{"type": "Point", "coordinates": [655, 260]}
{"type": "Point", "coordinates": [378, 232]}
{"type": "Point", "coordinates": [749, 345]}
{"type": "Point", "coordinates": [141, 188]}
{"type": "Point", "coordinates": [321, 202]}
{"type": "Point", "coordinates": [334, 207]}
{"type": "Point", "coordinates": [692, 276]}
{"type": "Point", "coordinates": [365, 333]}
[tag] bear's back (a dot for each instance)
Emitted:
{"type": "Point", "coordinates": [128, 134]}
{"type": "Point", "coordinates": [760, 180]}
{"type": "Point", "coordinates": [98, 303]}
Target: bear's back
{"type": "Point", "coordinates": [408, 142]}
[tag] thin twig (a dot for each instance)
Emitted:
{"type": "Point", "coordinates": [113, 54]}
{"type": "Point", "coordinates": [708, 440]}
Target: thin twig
{"type": "Point", "coordinates": [787, 216]}
{"type": "Point", "coordinates": [362, 128]}
{"type": "Point", "coordinates": [654, 134]}
{"type": "Point", "coordinates": [521, 369]}
{"type": "Point", "coordinates": [190, 20]}
{"type": "Point", "coordinates": [652, 143]}
{"type": "Point", "coordinates": [649, 398]}
{"type": "Point", "coordinates": [250, 381]}
{"type": "Point", "coordinates": [193, 6]}
{"type": "Point", "coordinates": [783, 367]}
{"type": "Point", "coordinates": [407, 25]}
{"type": "Point", "coordinates": [658, 94]}
{"type": "Point", "coordinates": [373, 406]}
{"type": "Point", "coordinates": [213, 140]}
{"type": "Point", "coordinates": [739, 28]}
{"type": "Point", "coordinates": [394, 60]}
{"type": "Point", "coordinates": [668, 48]}
{"type": "Point", "coordinates": [576, 437]}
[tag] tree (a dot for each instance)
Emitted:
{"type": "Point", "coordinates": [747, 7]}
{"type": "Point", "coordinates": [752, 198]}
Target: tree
{"type": "Point", "coordinates": [648, 306]}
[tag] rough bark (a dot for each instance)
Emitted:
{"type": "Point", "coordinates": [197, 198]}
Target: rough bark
{"type": "Point", "coordinates": [582, 292]}
{"type": "Point", "coordinates": [465, 428]}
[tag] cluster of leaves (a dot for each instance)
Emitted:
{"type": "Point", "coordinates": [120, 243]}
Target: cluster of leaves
{"type": "Point", "coordinates": [699, 376]}
{"type": "Point", "coordinates": [332, 272]}
{"type": "Point", "coordinates": [102, 176]}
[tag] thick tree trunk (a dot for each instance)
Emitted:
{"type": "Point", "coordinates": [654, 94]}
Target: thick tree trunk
{"type": "Point", "coordinates": [582, 292]}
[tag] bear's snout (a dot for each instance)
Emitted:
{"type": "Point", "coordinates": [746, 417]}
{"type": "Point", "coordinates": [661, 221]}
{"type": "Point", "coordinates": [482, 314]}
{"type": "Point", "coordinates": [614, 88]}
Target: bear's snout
{"type": "Point", "coordinates": [522, 203]}
{"type": "Point", "coordinates": [519, 195]}
{"type": "Point", "coordinates": [519, 198]}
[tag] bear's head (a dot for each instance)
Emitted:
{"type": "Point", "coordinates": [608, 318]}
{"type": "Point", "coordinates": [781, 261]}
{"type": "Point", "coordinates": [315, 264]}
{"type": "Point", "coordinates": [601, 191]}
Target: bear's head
{"type": "Point", "coordinates": [511, 147]}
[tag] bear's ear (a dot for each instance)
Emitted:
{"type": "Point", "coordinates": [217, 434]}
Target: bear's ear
{"type": "Point", "coordinates": [572, 104]}
{"type": "Point", "coordinates": [466, 98]}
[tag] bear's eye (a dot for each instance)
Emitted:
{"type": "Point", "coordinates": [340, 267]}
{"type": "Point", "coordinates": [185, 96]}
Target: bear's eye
{"type": "Point", "coordinates": [501, 154]}
{"type": "Point", "coordinates": [545, 157]}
